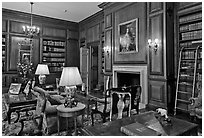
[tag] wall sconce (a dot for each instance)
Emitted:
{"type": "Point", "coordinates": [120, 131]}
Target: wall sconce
{"type": "Point", "coordinates": [154, 44]}
{"type": "Point", "coordinates": [107, 50]}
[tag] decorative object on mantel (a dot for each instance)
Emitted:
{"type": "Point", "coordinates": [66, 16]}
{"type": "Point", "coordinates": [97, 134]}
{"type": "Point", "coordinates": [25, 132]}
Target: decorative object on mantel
{"type": "Point", "coordinates": [31, 30]}
{"type": "Point", "coordinates": [70, 77]}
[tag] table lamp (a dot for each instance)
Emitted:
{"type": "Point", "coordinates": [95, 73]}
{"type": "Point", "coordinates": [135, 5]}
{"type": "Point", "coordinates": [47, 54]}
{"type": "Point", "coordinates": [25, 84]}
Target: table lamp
{"type": "Point", "coordinates": [42, 70]}
{"type": "Point", "coordinates": [70, 77]}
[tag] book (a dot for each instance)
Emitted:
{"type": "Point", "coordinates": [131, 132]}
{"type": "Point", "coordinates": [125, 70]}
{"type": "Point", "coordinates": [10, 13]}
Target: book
{"type": "Point", "coordinates": [138, 129]}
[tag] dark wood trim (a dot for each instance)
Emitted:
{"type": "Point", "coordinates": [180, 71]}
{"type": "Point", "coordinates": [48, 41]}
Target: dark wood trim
{"type": "Point", "coordinates": [155, 10]}
{"type": "Point", "coordinates": [108, 18]}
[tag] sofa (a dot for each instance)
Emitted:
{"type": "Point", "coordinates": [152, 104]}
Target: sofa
{"type": "Point", "coordinates": [53, 99]}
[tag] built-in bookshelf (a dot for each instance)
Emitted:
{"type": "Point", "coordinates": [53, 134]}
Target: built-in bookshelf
{"type": "Point", "coordinates": [3, 53]}
{"type": "Point", "coordinates": [190, 28]}
{"type": "Point", "coordinates": [54, 54]}
{"type": "Point", "coordinates": [190, 57]}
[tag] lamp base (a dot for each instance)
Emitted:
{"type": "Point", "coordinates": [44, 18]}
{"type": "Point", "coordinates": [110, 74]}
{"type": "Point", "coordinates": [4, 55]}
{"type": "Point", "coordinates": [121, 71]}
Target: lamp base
{"type": "Point", "coordinates": [70, 103]}
{"type": "Point", "coordinates": [42, 79]}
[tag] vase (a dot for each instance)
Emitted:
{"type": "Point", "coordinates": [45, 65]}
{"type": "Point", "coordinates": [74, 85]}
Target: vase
{"type": "Point", "coordinates": [120, 106]}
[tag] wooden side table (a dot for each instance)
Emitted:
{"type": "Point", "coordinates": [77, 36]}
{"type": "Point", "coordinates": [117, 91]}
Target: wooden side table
{"type": "Point", "coordinates": [70, 113]}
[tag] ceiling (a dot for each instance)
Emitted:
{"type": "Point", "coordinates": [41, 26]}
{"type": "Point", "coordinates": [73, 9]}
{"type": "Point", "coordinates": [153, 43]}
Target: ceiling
{"type": "Point", "coordinates": [71, 11]}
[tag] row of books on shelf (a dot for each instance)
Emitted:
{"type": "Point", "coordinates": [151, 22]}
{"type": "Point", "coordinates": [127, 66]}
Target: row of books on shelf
{"type": "Point", "coordinates": [188, 55]}
{"type": "Point", "coordinates": [190, 27]}
{"type": "Point", "coordinates": [191, 35]}
{"type": "Point", "coordinates": [55, 64]}
{"type": "Point", "coordinates": [53, 49]}
{"type": "Point", "coordinates": [186, 84]}
{"type": "Point", "coordinates": [187, 65]}
{"type": "Point", "coordinates": [190, 17]}
{"type": "Point", "coordinates": [188, 44]}
{"type": "Point", "coordinates": [45, 59]}
{"type": "Point", "coordinates": [199, 54]}
{"type": "Point", "coordinates": [53, 54]}
{"type": "Point", "coordinates": [53, 43]}
{"type": "Point", "coordinates": [199, 77]}
{"type": "Point", "coordinates": [188, 79]}
{"type": "Point", "coordinates": [55, 69]}
{"type": "Point", "coordinates": [3, 52]}
{"type": "Point", "coordinates": [199, 65]}
{"type": "Point", "coordinates": [3, 40]}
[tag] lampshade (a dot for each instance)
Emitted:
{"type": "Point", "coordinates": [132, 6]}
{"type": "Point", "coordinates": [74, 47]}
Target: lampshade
{"type": "Point", "coordinates": [42, 69]}
{"type": "Point", "coordinates": [70, 77]}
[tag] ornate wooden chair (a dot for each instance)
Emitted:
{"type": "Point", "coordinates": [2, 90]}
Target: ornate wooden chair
{"type": "Point", "coordinates": [102, 106]}
{"type": "Point", "coordinates": [125, 99]}
{"type": "Point", "coordinates": [109, 105]}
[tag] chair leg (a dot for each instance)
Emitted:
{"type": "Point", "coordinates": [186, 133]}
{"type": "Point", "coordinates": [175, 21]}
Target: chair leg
{"type": "Point", "coordinates": [92, 118]}
{"type": "Point", "coordinates": [104, 118]}
{"type": "Point", "coordinates": [137, 108]}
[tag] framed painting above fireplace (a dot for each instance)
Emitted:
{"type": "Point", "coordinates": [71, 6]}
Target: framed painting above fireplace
{"type": "Point", "coordinates": [127, 48]}
{"type": "Point", "coordinates": [128, 36]}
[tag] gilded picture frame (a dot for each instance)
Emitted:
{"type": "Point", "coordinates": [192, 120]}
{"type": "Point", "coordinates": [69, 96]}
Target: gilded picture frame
{"type": "Point", "coordinates": [128, 37]}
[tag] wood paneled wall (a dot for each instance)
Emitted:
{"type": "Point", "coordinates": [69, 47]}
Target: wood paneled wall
{"type": "Point", "coordinates": [161, 62]}
{"type": "Point", "coordinates": [50, 28]}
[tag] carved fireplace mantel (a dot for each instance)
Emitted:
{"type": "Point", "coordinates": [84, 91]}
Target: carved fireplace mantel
{"type": "Point", "coordinates": [142, 70]}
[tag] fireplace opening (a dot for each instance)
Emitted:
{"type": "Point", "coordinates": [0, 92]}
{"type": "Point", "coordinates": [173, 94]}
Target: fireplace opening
{"type": "Point", "coordinates": [128, 79]}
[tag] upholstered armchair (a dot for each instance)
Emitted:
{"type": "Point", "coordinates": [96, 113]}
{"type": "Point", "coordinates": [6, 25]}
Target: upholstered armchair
{"type": "Point", "coordinates": [195, 106]}
{"type": "Point", "coordinates": [50, 113]}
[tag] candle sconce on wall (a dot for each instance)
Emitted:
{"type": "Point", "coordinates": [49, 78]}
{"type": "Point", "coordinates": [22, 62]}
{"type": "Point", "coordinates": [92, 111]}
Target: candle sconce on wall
{"type": "Point", "coordinates": [107, 50]}
{"type": "Point", "coordinates": [153, 44]}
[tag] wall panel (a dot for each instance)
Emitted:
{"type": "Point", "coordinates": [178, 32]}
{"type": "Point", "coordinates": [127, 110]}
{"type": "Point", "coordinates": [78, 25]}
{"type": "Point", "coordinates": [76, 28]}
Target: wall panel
{"type": "Point", "coordinates": [156, 32]}
{"type": "Point", "coordinates": [157, 93]}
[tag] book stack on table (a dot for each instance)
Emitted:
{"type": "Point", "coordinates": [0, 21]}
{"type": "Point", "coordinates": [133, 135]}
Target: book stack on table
{"type": "Point", "coordinates": [138, 129]}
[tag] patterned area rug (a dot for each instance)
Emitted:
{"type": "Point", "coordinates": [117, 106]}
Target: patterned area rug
{"type": "Point", "coordinates": [30, 127]}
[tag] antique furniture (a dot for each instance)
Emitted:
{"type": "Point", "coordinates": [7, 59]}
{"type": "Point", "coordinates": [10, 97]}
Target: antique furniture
{"type": "Point", "coordinates": [119, 100]}
{"type": "Point", "coordinates": [50, 113]}
{"type": "Point", "coordinates": [101, 105]}
{"type": "Point", "coordinates": [195, 106]}
{"type": "Point", "coordinates": [70, 77]}
{"type": "Point", "coordinates": [112, 128]}
{"type": "Point", "coordinates": [105, 108]}
{"type": "Point", "coordinates": [26, 108]}
{"type": "Point", "coordinates": [69, 112]}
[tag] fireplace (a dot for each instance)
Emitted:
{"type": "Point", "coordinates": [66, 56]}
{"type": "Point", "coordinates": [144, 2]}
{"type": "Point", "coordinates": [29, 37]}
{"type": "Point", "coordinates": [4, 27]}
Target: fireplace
{"type": "Point", "coordinates": [132, 75]}
{"type": "Point", "coordinates": [128, 78]}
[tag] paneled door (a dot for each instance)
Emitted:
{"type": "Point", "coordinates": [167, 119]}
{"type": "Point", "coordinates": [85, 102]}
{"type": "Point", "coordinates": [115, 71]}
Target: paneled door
{"type": "Point", "coordinates": [84, 67]}
{"type": "Point", "coordinates": [94, 66]}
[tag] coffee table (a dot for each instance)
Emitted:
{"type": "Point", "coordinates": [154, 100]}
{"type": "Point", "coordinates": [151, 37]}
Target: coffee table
{"type": "Point", "coordinates": [178, 127]}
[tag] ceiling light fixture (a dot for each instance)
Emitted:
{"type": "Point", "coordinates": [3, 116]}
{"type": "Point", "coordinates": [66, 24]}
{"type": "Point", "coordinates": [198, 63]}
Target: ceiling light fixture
{"type": "Point", "coordinates": [31, 30]}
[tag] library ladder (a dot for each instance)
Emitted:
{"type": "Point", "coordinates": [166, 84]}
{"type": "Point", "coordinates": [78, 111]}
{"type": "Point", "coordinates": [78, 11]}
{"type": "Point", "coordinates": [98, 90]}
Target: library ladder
{"type": "Point", "coordinates": [186, 78]}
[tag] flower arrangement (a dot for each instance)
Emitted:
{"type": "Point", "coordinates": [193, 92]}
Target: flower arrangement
{"type": "Point", "coordinates": [25, 70]}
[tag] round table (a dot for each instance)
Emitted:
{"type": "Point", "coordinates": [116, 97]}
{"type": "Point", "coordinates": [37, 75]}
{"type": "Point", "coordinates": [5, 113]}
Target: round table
{"type": "Point", "coordinates": [67, 112]}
